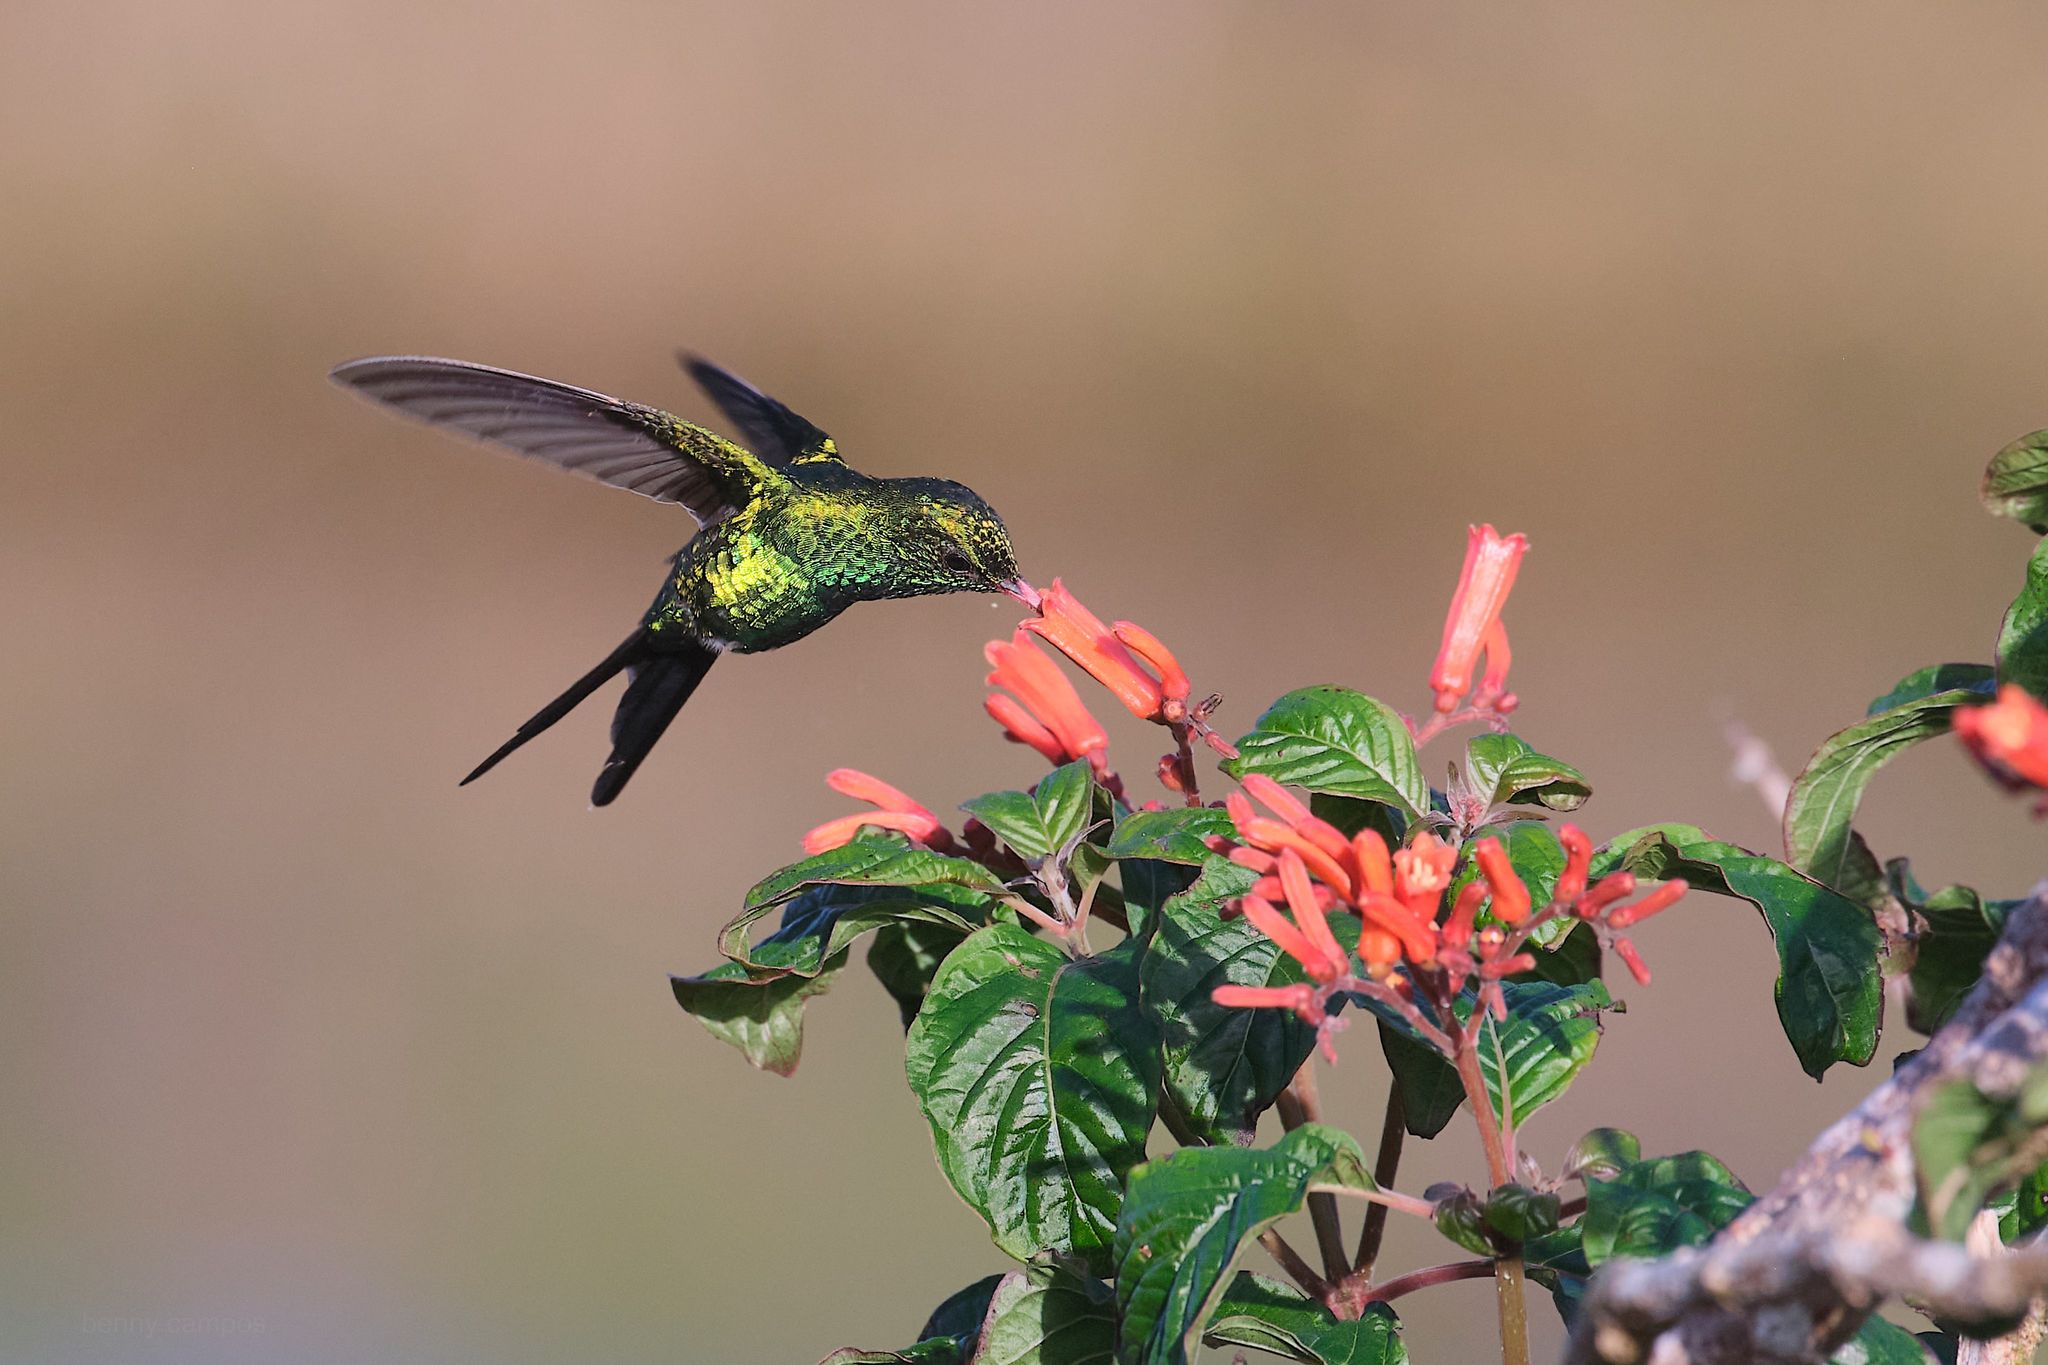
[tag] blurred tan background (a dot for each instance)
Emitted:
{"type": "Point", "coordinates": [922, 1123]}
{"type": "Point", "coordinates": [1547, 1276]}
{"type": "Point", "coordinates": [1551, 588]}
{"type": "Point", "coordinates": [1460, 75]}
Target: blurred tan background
{"type": "Point", "coordinates": [1239, 312]}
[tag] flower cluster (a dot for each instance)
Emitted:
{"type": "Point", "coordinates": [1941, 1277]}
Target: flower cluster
{"type": "Point", "coordinates": [1419, 946]}
{"type": "Point", "coordinates": [2009, 736]}
{"type": "Point", "coordinates": [1408, 946]}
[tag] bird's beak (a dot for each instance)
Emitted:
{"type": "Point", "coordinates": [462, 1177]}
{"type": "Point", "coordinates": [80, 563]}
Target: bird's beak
{"type": "Point", "coordinates": [1022, 591]}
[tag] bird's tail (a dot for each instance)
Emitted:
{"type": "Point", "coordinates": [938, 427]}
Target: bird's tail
{"type": "Point", "coordinates": [661, 684]}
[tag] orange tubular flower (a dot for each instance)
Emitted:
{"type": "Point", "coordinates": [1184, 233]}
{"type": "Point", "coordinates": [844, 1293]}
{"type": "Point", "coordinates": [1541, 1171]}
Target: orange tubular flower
{"type": "Point", "coordinates": [1308, 913]}
{"type": "Point", "coordinates": [1267, 919]}
{"type": "Point", "coordinates": [1421, 872]}
{"type": "Point", "coordinates": [896, 811]}
{"type": "Point", "coordinates": [1472, 626]}
{"type": "Point", "coordinates": [1375, 866]}
{"type": "Point", "coordinates": [1037, 683]}
{"type": "Point", "coordinates": [1510, 896]}
{"type": "Point", "coordinates": [1020, 727]}
{"type": "Point", "coordinates": [1079, 634]}
{"type": "Point", "coordinates": [1633, 960]}
{"type": "Point", "coordinates": [1663, 898]}
{"type": "Point", "coordinates": [2009, 736]}
{"type": "Point", "coordinates": [833, 833]}
{"type": "Point", "coordinates": [1300, 997]}
{"type": "Point", "coordinates": [1173, 679]}
{"type": "Point", "coordinates": [1578, 857]}
{"type": "Point", "coordinates": [1457, 931]}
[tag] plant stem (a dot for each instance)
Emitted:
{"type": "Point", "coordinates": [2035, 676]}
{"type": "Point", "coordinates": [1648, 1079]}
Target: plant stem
{"type": "Point", "coordinates": [1385, 1167]}
{"type": "Point", "coordinates": [1482, 1111]}
{"type": "Point", "coordinates": [1514, 1313]}
{"type": "Point", "coordinates": [1290, 1261]}
{"type": "Point", "coordinates": [1298, 1105]}
{"type": "Point", "coordinates": [1349, 1299]}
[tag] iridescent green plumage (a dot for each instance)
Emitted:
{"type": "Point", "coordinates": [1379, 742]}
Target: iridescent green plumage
{"type": "Point", "coordinates": [791, 535]}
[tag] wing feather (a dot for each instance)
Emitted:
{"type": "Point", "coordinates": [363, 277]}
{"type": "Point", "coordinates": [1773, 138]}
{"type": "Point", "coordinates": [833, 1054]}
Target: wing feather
{"type": "Point", "coordinates": [627, 445]}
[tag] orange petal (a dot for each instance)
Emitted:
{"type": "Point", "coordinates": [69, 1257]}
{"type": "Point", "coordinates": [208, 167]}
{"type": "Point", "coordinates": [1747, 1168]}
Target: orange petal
{"type": "Point", "coordinates": [871, 789]}
{"type": "Point", "coordinates": [834, 833]}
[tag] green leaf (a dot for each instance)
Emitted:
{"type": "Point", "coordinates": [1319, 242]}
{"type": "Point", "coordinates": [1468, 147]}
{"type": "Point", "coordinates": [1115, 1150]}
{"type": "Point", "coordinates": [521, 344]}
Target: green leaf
{"type": "Point", "coordinates": [1878, 1342]}
{"type": "Point", "coordinates": [1224, 1066]}
{"type": "Point", "coordinates": [2023, 638]}
{"type": "Point", "coordinates": [1503, 768]}
{"type": "Point", "coordinates": [1651, 1208]}
{"type": "Point", "coordinates": [1331, 739]}
{"type": "Point", "coordinates": [1049, 1313]}
{"type": "Point", "coordinates": [1602, 1154]}
{"type": "Point", "coordinates": [1550, 1034]}
{"type": "Point", "coordinates": [1968, 1144]}
{"type": "Point", "coordinates": [820, 922]}
{"type": "Point", "coordinates": [1519, 1214]}
{"type": "Point", "coordinates": [1171, 836]}
{"type": "Point", "coordinates": [905, 956]}
{"type": "Point", "coordinates": [2016, 483]}
{"type": "Point", "coordinates": [949, 1336]}
{"type": "Point", "coordinates": [764, 1019]}
{"type": "Point", "coordinates": [1569, 960]}
{"type": "Point", "coordinates": [1925, 682]}
{"type": "Point", "coordinates": [1039, 1076]}
{"type": "Point", "coordinates": [1189, 1216]}
{"type": "Point", "coordinates": [2025, 1209]}
{"type": "Point", "coordinates": [1956, 930]}
{"type": "Point", "coordinates": [1269, 1316]}
{"type": "Point", "coordinates": [874, 860]}
{"type": "Point", "coordinates": [1825, 796]}
{"type": "Point", "coordinates": [1351, 815]}
{"type": "Point", "coordinates": [1460, 1215]}
{"type": "Point", "coordinates": [1830, 992]}
{"type": "Point", "coordinates": [1430, 1090]}
{"type": "Point", "coordinates": [1038, 824]}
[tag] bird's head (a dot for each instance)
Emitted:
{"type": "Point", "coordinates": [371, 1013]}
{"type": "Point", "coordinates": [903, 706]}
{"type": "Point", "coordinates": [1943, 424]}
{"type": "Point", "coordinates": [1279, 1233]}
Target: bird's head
{"type": "Point", "coordinates": [952, 541]}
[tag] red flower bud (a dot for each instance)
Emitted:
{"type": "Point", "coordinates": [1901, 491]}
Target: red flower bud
{"type": "Point", "coordinates": [1578, 857]}
{"type": "Point", "coordinates": [1472, 625]}
{"type": "Point", "coordinates": [1626, 951]}
{"type": "Point", "coordinates": [1663, 898]}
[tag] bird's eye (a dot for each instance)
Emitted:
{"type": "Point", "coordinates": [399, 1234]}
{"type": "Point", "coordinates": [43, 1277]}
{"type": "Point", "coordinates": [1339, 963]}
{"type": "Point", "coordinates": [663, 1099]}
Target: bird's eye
{"type": "Point", "coordinates": [955, 560]}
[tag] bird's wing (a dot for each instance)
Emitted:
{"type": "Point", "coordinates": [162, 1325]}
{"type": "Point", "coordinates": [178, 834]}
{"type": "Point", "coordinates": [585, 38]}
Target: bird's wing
{"type": "Point", "coordinates": [777, 435]}
{"type": "Point", "coordinates": [627, 445]}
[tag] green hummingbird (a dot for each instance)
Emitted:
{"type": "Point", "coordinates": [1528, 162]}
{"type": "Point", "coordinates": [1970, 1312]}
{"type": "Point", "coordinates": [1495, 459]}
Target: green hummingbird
{"type": "Point", "coordinates": [789, 534]}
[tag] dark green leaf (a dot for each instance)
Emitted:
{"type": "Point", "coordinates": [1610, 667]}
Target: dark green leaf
{"type": "Point", "coordinates": [1569, 960]}
{"type": "Point", "coordinates": [1519, 1214]}
{"type": "Point", "coordinates": [1654, 1207]}
{"type": "Point", "coordinates": [1956, 928]}
{"type": "Point", "coordinates": [1602, 1154]}
{"type": "Point", "coordinates": [1189, 1216]}
{"type": "Point", "coordinates": [1549, 1036]}
{"type": "Point", "coordinates": [905, 956]}
{"type": "Point", "coordinates": [1266, 1315]}
{"type": "Point", "coordinates": [1038, 824]}
{"type": "Point", "coordinates": [949, 1336]}
{"type": "Point", "coordinates": [1461, 1217]}
{"type": "Point", "coordinates": [1430, 1090]}
{"type": "Point", "coordinates": [2025, 1209]}
{"type": "Point", "coordinates": [962, 1314]}
{"type": "Point", "coordinates": [1922, 683]}
{"type": "Point", "coordinates": [1049, 1313]}
{"type": "Point", "coordinates": [1039, 1076]}
{"type": "Point", "coordinates": [1172, 836]}
{"type": "Point", "coordinates": [820, 922]}
{"type": "Point", "coordinates": [2016, 483]}
{"type": "Point", "coordinates": [2023, 638]}
{"type": "Point", "coordinates": [1351, 815]}
{"type": "Point", "coordinates": [1968, 1144]}
{"type": "Point", "coordinates": [874, 860]}
{"type": "Point", "coordinates": [1830, 992]}
{"type": "Point", "coordinates": [1503, 768]}
{"type": "Point", "coordinates": [764, 1019]}
{"type": "Point", "coordinates": [1825, 796]}
{"type": "Point", "coordinates": [1224, 1066]}
{"type": "Point", "coordinates": [1878, 1342]}
{"type": "Point", "coordinates": [1331, 739]}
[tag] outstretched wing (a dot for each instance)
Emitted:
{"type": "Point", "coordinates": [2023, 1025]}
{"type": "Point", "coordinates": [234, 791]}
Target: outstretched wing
{"type": "Point", "coordinates": [776, 434]}
{"type": "Point", "coordinates": [627, 445]}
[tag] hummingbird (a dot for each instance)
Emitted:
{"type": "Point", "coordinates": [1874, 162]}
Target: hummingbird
{"type": "Point", "coordinates": [789, 534]}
